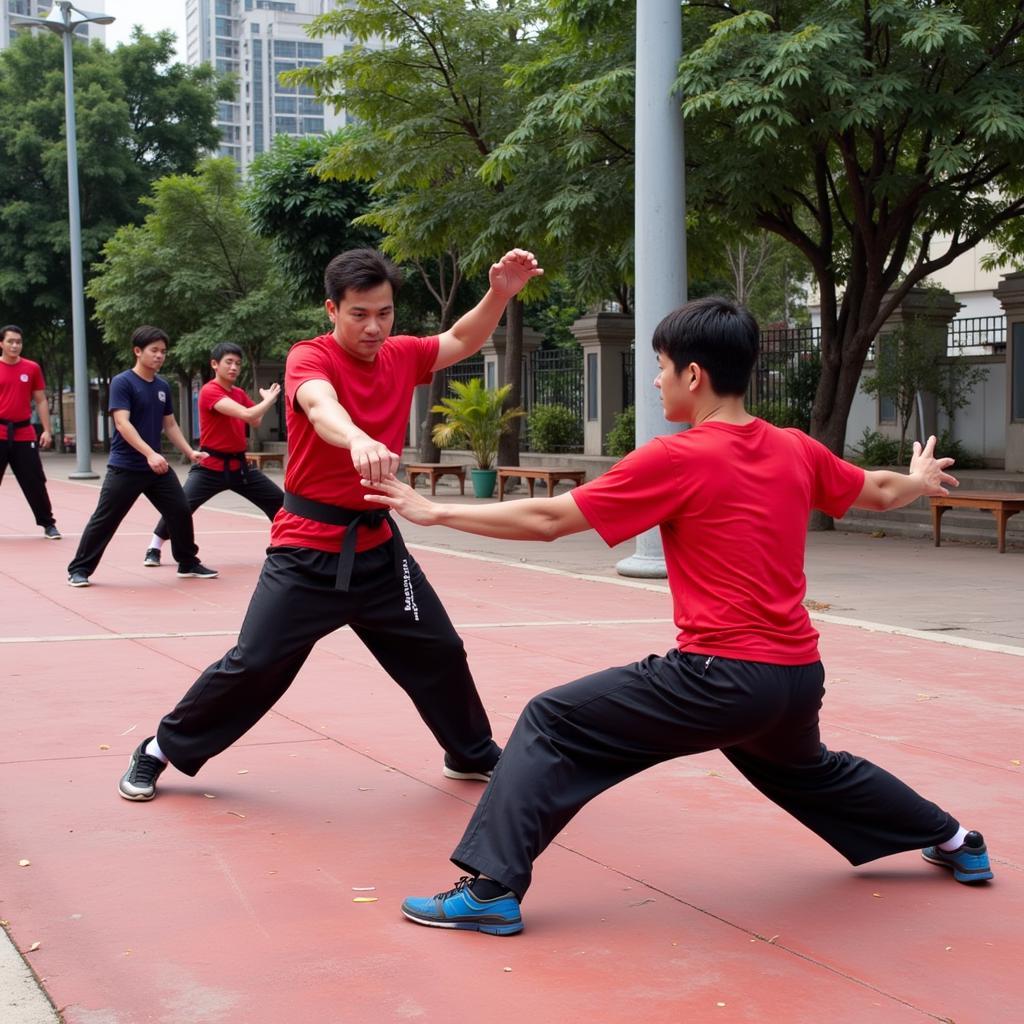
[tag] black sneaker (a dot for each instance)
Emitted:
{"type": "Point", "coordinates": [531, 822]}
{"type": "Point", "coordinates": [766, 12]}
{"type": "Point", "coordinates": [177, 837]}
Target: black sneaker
{"type": "Point", "coordinates": [139, 781]}
{"type": "Point", "coordinates": [968, 862]}
{"type": "Point", "coordinates": [453, 771]}
{"type": "Point", "coordinates": [198, 572]}
{"type": "Point", "coordinates": [51, 532]}
{"type": "Point", "coordinates": [78, 579]}
{"type": "Point", "coordinates": [151, 557]}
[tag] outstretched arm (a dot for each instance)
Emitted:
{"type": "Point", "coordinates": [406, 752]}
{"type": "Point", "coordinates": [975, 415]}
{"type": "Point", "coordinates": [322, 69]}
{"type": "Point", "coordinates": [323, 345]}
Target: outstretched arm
{"type": "Point", "coordinates": [529, 519]}
{"type": "Point", "coordinates": [927, 476]}
{"type": "Point", "coordinates": [329, 418]}
{"type": "Point", "coordinates": [467, 335]}
{"type": "Point", "coordinates": [254, 414]}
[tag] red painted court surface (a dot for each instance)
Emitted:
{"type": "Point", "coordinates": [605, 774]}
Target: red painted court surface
{"type": "Point", "coordinates": [681, 896]}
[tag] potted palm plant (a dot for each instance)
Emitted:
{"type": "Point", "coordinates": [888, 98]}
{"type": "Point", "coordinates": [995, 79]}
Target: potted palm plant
{"type": "Point", "coordinates": [473, 415]}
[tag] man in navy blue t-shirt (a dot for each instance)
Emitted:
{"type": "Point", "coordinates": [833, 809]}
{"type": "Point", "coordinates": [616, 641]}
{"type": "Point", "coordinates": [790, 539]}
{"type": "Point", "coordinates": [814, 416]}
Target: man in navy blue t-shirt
{"type": "Point", "coordinates": [140, 403]}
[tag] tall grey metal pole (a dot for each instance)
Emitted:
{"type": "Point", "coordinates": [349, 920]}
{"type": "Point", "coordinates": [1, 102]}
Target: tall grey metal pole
{"type": "Point", "coordinates": [660, 226]}
{"type": "Point", "coordinates": [83, 426]}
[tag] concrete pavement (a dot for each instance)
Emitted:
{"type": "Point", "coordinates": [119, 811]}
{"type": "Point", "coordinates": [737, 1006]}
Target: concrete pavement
{"type": "Point", "coordinates": [915, 690]}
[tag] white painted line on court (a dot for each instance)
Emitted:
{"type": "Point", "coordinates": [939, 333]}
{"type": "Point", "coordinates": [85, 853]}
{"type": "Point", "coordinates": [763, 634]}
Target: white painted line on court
{"type": "Point", "coordinates": [920, 634]}
{"type": "Point", "coordinates": [543, 623]}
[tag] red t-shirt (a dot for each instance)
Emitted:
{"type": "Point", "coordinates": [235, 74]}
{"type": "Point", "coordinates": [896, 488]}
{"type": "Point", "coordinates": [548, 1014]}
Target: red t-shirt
{"type": "Point", "coordinates": [732, 504]}
{"type": "Point", "coordinates": [17, 382]}
{"type": "Point", "coordinates": [224, 433]}
{"type": "Point", "coordinates": [378, 397]}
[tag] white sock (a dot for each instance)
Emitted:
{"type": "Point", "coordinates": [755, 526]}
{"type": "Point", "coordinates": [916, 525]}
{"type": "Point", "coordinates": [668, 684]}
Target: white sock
{"type": "Point", "coordinates": [153, 749]}
{"type": "Point", "coordinates": [156, 542]}
{"type": "Point", "coordinates": [955, 842]}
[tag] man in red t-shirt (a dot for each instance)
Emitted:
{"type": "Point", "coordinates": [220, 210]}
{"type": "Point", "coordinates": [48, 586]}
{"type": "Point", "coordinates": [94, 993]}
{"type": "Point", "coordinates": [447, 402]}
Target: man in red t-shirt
{"type": "Point", "coordinates": [21, 383]}
{"type": "Point", "coordinates": [225, 410]}
{"type": "Point", "coordinates": [731, 497]}
{"type": "Point", "coordinates": [334, 559]}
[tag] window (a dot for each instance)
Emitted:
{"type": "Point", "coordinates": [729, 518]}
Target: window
{"type": "Point", "coordinates": [284, 104]}
{"type": "Point", "coordinates": [284, 48]}
{"type": "Point", "coordinates": [592, 387]}
{"type": "Point", "coordinates": [286, 126]}
{"type": "Point", "coordinates": [313, 125]}
{"type": "Point", "coordinates": [311, 51]}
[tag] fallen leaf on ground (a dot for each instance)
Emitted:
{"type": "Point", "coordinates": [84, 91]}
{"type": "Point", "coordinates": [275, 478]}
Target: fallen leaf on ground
{"type": "Point", "coordinates": [507, 970]}
{"type": "Point", "coordinates": [237, 814]}
{"type": "Point", "coordinates": [364, 888]}
{"type": "Point", "coordinates": [364, 899]}
{"type": "Point", "coordinates": [243, 771]}
{"type": "Point", "coordinates": [104, 746]}
{"type": "Point", "coordinates": [209, 796]}
{"type": "Point", "coordinates": [24, 863]}
{"type": "Point", "coordinates": [817, 606]}
{"type": "Point", "coordinates": [33, 947]}
{"type": "Point", "coordinates": [877, 895]}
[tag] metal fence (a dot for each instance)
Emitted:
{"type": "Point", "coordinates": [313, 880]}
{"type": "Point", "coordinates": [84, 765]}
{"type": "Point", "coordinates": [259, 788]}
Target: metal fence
{"type": "Point", "coordinates": [786, 375]}
{"type": "Point", "coordinates": [464, 371]}
{"type": "Point", "coordinates": [976, 335]}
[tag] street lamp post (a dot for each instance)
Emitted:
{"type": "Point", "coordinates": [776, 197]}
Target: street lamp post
{"type": "Point", "coordinates": [63, 19]}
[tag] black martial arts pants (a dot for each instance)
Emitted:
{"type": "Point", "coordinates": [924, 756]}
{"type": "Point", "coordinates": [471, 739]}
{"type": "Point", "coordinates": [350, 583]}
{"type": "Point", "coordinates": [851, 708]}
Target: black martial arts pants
{"type": "Point", "coordinates": [121, 489]}
{"type": "Point", "coordinates": [23, 458]}
{"type": "Point", "coordinates": [203, 484]}
{"type": "Point", "coordinates": [573, 742]}
{"type": "Point", "coordinates": [399, 618]}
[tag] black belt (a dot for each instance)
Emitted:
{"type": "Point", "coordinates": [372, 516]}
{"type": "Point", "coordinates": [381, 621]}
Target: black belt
{"type": "Point", "coordinates": [12, 426]}
{"type": "Point", "coordinates": [226, 458]}
{"type": "Point", "coordinates": [351, 519]}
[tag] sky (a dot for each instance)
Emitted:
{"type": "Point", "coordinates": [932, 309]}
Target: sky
{"type": "Point", "coordinates": [152, 15]}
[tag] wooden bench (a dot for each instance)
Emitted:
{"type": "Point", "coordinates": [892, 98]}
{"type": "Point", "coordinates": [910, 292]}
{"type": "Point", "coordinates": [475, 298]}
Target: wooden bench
{"type": "Point", "coordinates": [1002, 504]}
{"type": "Point", "coordinates": [261, 459]}
{"type": "Point", "coordinates": [531, 474]}
{"type": "Point", "coordinates": [436, 470]}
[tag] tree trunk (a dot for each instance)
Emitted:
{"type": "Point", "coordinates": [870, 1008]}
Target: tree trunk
{"type": "Point", "coordinates": [508, 447]}
{"type": "Point", "coordinates": [428, 450]}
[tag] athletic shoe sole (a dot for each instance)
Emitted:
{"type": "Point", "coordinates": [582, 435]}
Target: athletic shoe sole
{"type": "Point", "coordinates": [498, 926]}
{"type": "Point", "coordinates": [198, 575]}
{"type": "Point", "coordinates": [968, 876]}
{"type": "Point", "coordinates": [79, 583]}
{"type": "Point", "coordinates": [452, 773]}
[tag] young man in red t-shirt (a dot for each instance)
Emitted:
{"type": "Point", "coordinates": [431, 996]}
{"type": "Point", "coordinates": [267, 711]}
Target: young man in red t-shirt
{"type": "Point", "coordinates": [225, 410]}
{"type": "Point", "coordinates": [21, 384]}
{"type": "Point", "coordinates": [731, 496]}
{"type": "Point", "coordinates": [334, 559]}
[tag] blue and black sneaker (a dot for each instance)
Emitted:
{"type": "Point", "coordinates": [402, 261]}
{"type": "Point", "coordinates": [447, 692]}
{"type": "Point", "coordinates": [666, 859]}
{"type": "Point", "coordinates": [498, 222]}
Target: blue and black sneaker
{"type": "Point", "coordinates": [459, 908]}
{"type": "Point", "coordinates": [969, 861]}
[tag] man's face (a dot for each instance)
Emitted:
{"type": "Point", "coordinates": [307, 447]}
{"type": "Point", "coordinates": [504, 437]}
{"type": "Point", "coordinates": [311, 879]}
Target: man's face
{"type": "Point", "coordinates": [152, 356]}
{"type": "Point", "coordinates": [11, 346]}
{"type": "Point", "coordinates": [227, 368]}
{"type": "Point", "coordinates": [363, 320]}
{"type": "Point", "coordinates": [676, 400]}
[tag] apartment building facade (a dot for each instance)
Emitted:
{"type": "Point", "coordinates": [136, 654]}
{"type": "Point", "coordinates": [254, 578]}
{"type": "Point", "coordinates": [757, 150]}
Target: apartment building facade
{"type": "Point", "coordinates": [257, 40]}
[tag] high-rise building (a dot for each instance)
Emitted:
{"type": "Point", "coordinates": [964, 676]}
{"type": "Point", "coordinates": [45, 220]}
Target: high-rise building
{"type": "Point", "coordinates": [40, 9]}
{"type": "Point", "coordinates": [257, 40]}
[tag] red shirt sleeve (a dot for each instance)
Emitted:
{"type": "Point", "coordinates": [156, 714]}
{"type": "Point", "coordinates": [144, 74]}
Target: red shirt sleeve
{"type": "Point", "coordinates": [836, 481]}
{"type": "Point", "coordinates": [636, 494]}
{"type": "Point", "coordinates": [38, 384]}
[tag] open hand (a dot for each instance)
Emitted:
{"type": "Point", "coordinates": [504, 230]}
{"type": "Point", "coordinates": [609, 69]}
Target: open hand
{"type": "Point", "coordinates": [930, 470]}
{"type": "Point", "coordinates": [401, 498]}
{"type": "Point", "coordinates": [270, 393]}
{"type": "Point", "coordinates": [512, 271]}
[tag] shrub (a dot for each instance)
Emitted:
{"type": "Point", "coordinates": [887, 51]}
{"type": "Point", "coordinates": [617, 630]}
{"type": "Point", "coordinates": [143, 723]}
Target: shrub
{"type": "Point", "coordinates": [946, 447]}
{"type": "Point", "coordinates": [621, 439]}
{"type": "Point", "coordinates": [554, 428]}
{"type": "Point", "coordinates": [781, 413]}
{"type": "Point", "coordinates": [876, 449]}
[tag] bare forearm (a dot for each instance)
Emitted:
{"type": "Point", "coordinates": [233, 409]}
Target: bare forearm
{"type": "Point", "coordinates": [177, 438]}
{"type": "Point", "coordinates": [529, 519]}
{"type": "Point", "coordinates": [892, 490]}
{"type": "Point", "coordinates": [42, 409]}
{"type": "Point", "coordinates": [334, 425]}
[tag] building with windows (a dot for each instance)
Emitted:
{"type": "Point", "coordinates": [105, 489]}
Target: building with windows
{"type": "Point", "coordinates": [39, 9]}
{"type": "Point", "coordinates": [256, 40]}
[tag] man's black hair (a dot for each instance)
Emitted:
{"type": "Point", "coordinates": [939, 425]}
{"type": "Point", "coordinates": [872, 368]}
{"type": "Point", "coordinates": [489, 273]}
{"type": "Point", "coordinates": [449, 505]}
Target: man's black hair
{"type": "Point", "coordinates": [226, 348]}
{"type": "Point", "coordinates": [718, 335]}
{"type": "Point", "coordinates": [146, 335]}
{"type": "Point", "coordinates": [360, 270]}
{"type": "Point", "coordinates": [14, 328]}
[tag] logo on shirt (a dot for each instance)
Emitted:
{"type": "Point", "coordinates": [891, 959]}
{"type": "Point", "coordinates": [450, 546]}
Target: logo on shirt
{"type": "Point", "coordinates": [162, 396]}
{"type": "Point", "coordinates": [24, 378]}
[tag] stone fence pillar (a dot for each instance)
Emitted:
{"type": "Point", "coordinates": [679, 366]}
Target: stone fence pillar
{"type": "Point", "coordinates": [1010, 292]}
{"type": "Point", "coordinates": [930, 310]}
{"type": "Point", "coordinates": [605, 339]}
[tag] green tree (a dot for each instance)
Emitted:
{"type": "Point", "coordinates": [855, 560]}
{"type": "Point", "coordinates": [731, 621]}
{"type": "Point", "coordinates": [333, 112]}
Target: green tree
{"type": "Point", "coordinates": [196, 268]}
{"type": "Point", "coordinates": [430, 106]}
{"type": "Point", "coordinates": [139, 117]}
{"type": "Point", "coordinates": [880, 138]}
{"type": "Point", "coordinates": [306, 218]}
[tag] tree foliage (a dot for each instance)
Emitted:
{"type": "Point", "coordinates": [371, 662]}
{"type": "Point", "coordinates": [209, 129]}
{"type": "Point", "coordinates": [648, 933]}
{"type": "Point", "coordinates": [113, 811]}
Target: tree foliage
{"type": "Point", "coordinates": [880, 138]}
{"type": "Point", "coordinates": [306, 218]}
{"type": "Point", "coordinates": [138, 117]}
{"type": "Point", "coordinates": [196, 268]}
